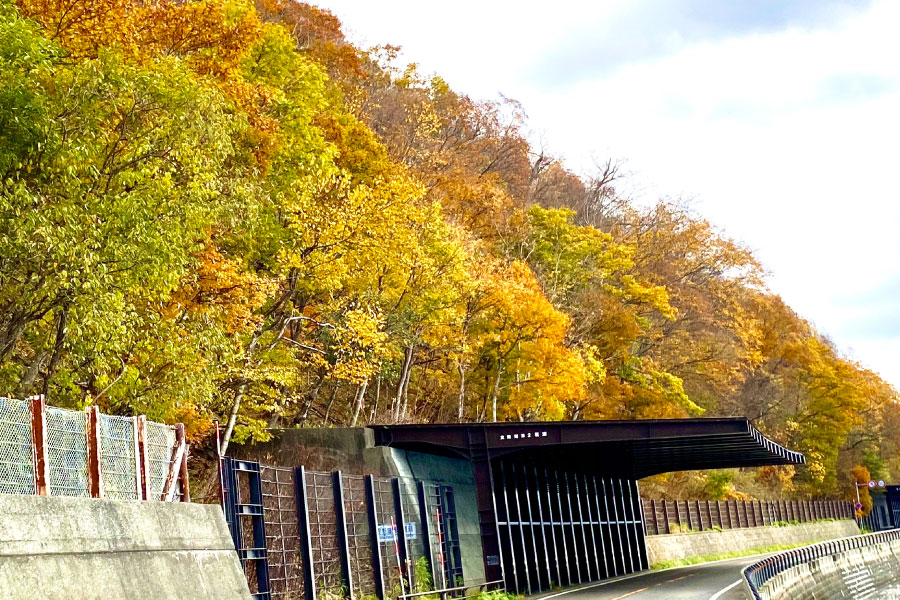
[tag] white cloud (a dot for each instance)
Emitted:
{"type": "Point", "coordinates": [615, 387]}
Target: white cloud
{"type": "Point", "coordinates": [788, 139]}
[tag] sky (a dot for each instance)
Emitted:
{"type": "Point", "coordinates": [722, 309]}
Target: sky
{"type": "Point", "coordinates": [778, 120]}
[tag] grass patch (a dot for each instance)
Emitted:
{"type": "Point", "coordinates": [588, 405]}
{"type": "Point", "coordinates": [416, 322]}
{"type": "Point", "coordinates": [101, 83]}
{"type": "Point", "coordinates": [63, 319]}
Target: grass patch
{"type": "Point", "coordinates": [703, 558]}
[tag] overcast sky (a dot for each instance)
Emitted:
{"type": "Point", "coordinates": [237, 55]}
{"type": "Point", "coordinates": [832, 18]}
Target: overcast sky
{"type": "Point", "coordinates": [780, 119]}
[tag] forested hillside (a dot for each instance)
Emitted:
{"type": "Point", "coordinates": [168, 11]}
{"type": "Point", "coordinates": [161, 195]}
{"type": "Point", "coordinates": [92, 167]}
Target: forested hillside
{"type": "Point", "coordinates": [219, 210]}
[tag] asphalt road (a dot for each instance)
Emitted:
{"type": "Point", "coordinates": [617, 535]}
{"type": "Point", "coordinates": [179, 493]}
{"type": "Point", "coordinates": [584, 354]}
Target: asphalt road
{"type": "Point", "coordinates": [699, 582]}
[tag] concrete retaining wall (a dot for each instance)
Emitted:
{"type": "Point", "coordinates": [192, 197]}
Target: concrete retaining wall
{"type": "Point", "coordinates": [859, 573]}
{"type": "Point", "coordinates": [662, 548]}
{"type": "Point", "coordinates": [86, 549]}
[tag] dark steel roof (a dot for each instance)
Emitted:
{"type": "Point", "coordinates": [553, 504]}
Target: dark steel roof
{"type": "Point", "coordinates": [623, 448]}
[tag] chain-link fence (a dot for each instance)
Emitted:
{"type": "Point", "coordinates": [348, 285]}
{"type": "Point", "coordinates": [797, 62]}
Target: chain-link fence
{"type": "Point", "coordinates": [160, 441]}
{"type": "Point", "coordinates": [67, 452]}
{"type": "Point", "coordinates": [118, 449]}
{"type": "Point", "coordinates": [16, 466]}
{"type": "Point", "coordinates": [48, 450]}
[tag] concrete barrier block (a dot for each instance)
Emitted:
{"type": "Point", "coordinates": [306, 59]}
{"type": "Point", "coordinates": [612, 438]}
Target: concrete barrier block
{"type": "Point", "coordinates": [85, 549]}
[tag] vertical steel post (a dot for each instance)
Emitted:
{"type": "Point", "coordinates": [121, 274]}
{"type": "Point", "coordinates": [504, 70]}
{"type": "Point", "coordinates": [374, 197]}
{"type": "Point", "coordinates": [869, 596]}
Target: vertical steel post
{"type": "Point", "coordinates": [306, 550]}
{"type": "Point", "coordinates": [512, 547]}
{"type": "Point", "coordinates": [341, 526]}
{"type": "Point", "coordinates": [486, 502]}
{"type": "Point", "coordinates": [629, 523]}
{"type": "Point", "coordinates": [537, 562]}
{"type": "Point", "coordinates": [562, 528]}
{"type": "Point", "coordinates": [424, 514]}
{"type": "Point", "coordinates": [184, 484]}
{"type": "Point", "coordinates": [666, 516]}
{"type": "Point", "coordinates": [94, 460]}
{"type": "Point", "coordinates": [641, 532]}
{"type": "Point", "coordinates": [540, 508]}
{"type": "Point", "coordinates": [143, 458]}
{"type": "Point", "coordinates": [526, 566]}
{"type": "Point", "coordinates": [402, 543]}
{"type": "Point", "coordinates": [586, 555]}
{"type": "Point", "coordinates": [372, 513]}
{"type": "Point", "coordinates": [39, 446]}
{"type": "Point", "coordinates": [572, 525]}
{"type": "Point", "coordinates": [596, 497]}
{"type": "Point", "coordinates": [587, 499]}
{"type": "Point", "coordinates": [552, 527]}
{"type": "Point", "coordinates": [618, 524]}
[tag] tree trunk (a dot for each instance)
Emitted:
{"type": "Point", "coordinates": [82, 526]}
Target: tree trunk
{"type": "Point", "coordinates": [461, 368]}
{"type": "Point", "coordinates": [313, 396]}
{"type": "Point", "coordinates": [61, 328]}
{"type": "Point", "coordinates": [239, 394]}
{"type": "Point", "coordinates": [374, 413]}
{"type": "Point", "coordinates": [496, 392]}
{"type": "Point", "coordinates": [232, 418]}
{"type": "Point", "coordinates": [401, 384]}
{"type": "Point", "coordinates": [360, 395]}
{"type": "Point", "coordinates": [31, 374]}
{"type": "Point", "coordinates": [331, 398]}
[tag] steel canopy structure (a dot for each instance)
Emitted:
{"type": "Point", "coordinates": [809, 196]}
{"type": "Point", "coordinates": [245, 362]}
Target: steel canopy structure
{"type": "Point", "coordinates": [640, 448]}
{"type": "Point", "coordinates": [558, 502]}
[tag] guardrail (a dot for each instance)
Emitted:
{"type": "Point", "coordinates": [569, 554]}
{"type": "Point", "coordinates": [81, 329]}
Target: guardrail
{"type": "Point", "coordinates": [757, 574]}
{"type": "Point", "coordinates": [454, 591]}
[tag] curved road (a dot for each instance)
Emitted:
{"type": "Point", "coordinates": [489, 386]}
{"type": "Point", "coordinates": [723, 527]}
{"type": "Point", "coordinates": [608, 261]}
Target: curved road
{"type": "Point", "coordinates": [696, 582]}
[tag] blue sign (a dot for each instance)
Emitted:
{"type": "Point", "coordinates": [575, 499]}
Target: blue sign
{"type": "Point", "coordinates": [386, 532]}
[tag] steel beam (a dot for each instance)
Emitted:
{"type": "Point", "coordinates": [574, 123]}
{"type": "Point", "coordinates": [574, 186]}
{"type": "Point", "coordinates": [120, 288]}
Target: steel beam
{"type": "Point", "coordinates": [341, 527]}
{"type": "Point", "coordinates": [372, 513]}
{"type": "Point", "coordinates": [562, 529]}
{"type": "Point", "coordinates": [525, 563]}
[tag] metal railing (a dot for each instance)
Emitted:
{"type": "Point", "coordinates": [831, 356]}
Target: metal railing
{"type": "Point", "coordinates": [681, 516]}
{"type": "Point", "coordinates": [461, 592]}
{"type": "Point", "coordinates": [756, 575]}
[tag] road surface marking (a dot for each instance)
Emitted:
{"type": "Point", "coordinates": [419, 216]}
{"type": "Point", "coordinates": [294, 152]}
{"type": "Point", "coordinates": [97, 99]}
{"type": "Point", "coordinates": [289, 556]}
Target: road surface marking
{"type": "Point", "coordinates": [666, 582]}
{"type": "Point", "coordinates": [719, 594]}
{"type": "Point", "coordinates": [647, 572]}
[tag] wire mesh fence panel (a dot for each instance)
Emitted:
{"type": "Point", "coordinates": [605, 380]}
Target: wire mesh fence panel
{"type": "Point", "coordinates": [438, 534]}
{"type": "Point", "coordinates": [282, 533]}
{"type": "Point", "coordinates": [118, 454]}
{"type": "Point", "coordinates": [67, 452]}
{"type": "Point", "coordinates": [16, 466]}
{"type": "Point", "coordinates": [384, 511]}
{"type": "Point", "coordinates": [420, 579]}
{"type": "Point", "coordinates": [359, 538]}
{"type": "Point", "coordinates": [326, 556]}
{"type": "Point", "coordinates": [160, 444]}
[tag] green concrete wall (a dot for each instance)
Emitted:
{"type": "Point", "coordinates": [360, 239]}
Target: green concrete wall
{"type": "Point", "coordinates": [91, 549]}
{"type": "Point", "coordinates": [458, 473]}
